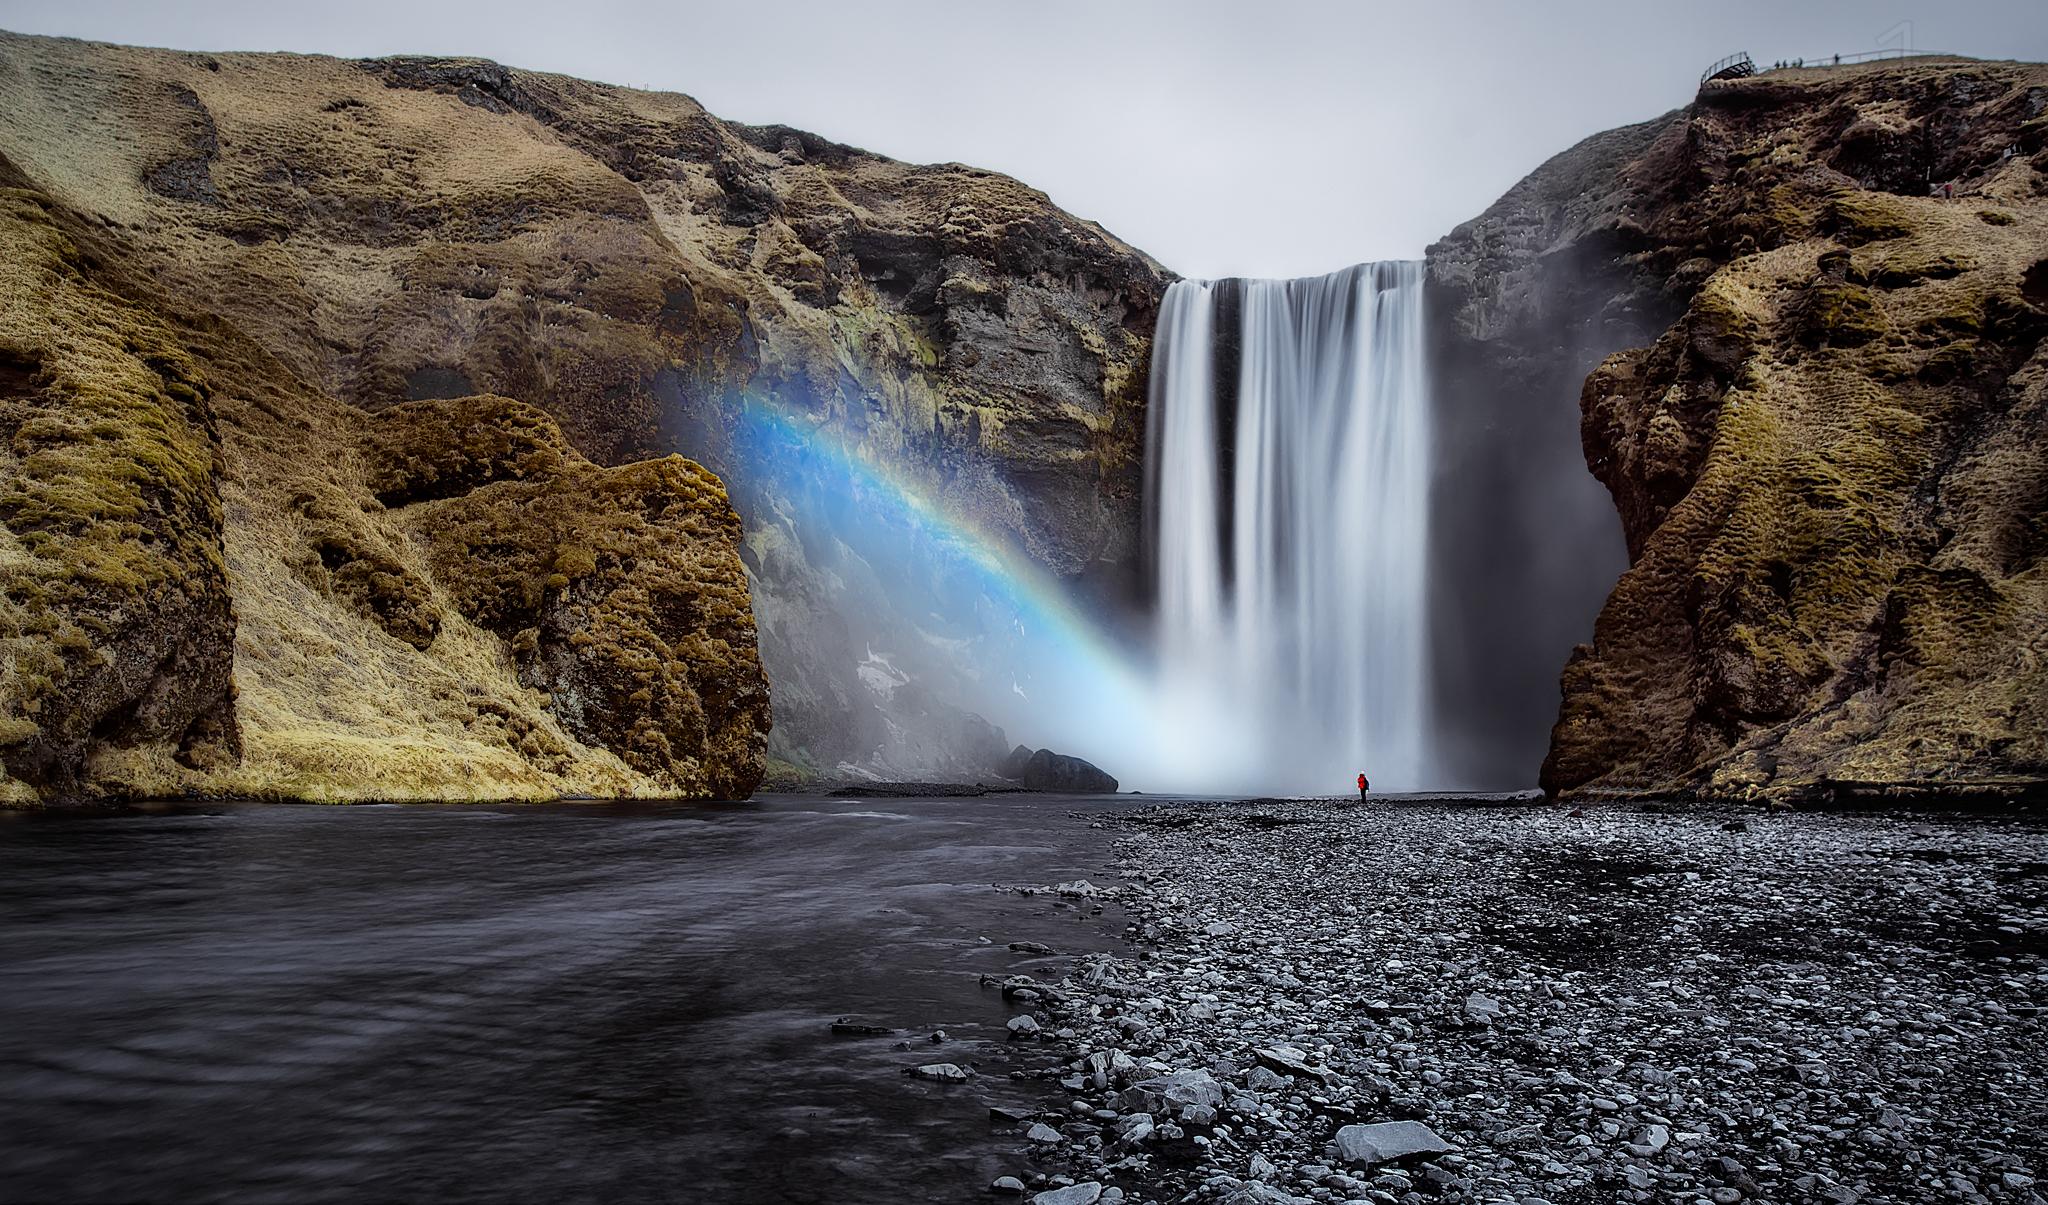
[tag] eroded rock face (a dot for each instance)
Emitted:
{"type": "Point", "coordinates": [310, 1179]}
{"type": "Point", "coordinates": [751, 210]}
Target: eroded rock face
{"type": "Point", "coordinates": [1522, 302]}
{"type": "Point", "coordinates": [619, 591]}
{"type": "Point", "coordinates": [657, 280]}
{"type": "Point", "coordinates": [1818, 467]}
{"type": "Point", "coordinates": [222, 581]}
{"type": "Point", "coordinates": [116, 625]}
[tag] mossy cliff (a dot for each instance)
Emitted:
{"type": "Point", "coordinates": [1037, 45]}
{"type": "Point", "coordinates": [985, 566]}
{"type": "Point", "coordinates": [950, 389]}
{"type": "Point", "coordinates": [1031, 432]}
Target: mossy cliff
{"type": "Point", "coordinates": [219, 580]}
{"type": "Point", "coordinates": [408, 229]}
{"type": "Point", "coordinates": [1828, 468]}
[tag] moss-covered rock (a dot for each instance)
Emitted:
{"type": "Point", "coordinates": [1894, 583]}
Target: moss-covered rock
{"type": "Point", "coordinates": [116, 625]}
{"type": "Point", "coordinates": [643, 272]}
{"type": "Point", "coordinates": [1835, 562]}
{"type": "Point", "coordinates": [218, 580]}
{"type": "Point", "coordinates": [619, 591]}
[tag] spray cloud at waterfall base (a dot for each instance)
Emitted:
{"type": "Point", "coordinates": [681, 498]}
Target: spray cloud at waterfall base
{"type": "Point", "coordinates": [948, 616]}
{"type": "Point", "coordinates": [1286, 489]}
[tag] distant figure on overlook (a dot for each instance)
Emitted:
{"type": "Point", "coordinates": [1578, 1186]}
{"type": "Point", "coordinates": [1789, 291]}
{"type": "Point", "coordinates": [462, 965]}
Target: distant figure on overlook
{"type": "Point", "coordinates": [1363, 786]}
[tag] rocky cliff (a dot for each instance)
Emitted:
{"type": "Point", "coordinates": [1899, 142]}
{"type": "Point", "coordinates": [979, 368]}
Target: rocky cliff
{"type": "Point", "coordinates": [1522, 302]}
{"type": "Point", "coordinates": [1827, 466]}
{"type": "Point", "coordinates": [649, 278]}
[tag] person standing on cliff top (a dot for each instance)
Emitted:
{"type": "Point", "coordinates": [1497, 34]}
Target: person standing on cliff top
{"type": "Point", "coordinates": [1363, 786]}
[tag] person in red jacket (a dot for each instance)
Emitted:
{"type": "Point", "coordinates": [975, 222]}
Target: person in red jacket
{"type": "Point", "coordinates": [1363, 786]}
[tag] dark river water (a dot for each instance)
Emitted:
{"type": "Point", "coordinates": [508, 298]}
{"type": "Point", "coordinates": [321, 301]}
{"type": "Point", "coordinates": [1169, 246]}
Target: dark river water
{"type": "Point", "coordinates": [562, 1003]}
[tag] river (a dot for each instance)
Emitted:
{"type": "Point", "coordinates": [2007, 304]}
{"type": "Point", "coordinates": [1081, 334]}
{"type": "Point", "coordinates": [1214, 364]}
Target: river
{"type": "Point", "coordinates": [538, 1003]}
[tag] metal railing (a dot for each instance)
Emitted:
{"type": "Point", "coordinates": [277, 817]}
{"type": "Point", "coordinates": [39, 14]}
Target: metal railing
{"type": "Point", "coordinates": [1864, 56]}
{"type": "Point", "coordinates": [1740, 66]}
{"type": "Point", "coordinates": [1735, 66]}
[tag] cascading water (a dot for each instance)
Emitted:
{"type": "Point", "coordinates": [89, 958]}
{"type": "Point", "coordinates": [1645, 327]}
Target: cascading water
{"type": "Point", "coordinates": [1290, 527]}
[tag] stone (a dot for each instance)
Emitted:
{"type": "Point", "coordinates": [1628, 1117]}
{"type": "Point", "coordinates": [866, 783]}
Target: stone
{"type": "Point", "coordinates": [859, 1029]}
{"type": "Point", "coordinates": [1045, 770]}
{"type": "Point", "coordinates": [1170, 1094]}
{"type": "Point", "coordinates": [1289, 1061]}
{"type": "Point", "coordinates": [1386, 1141]}
{"type": "Point", "coordinates": [1041, 1132]}
{"type": "Point", "coordinates": [949, 1073]}
{"type": "Point", "coordinates": [1008, 1186]}
{"type": "Point", "coordinates": [1023, 1027]}
{"type": "Point", "coordinates": [1265, 1079]}
{"type": "Point", "coordinates": [1086, 1193]}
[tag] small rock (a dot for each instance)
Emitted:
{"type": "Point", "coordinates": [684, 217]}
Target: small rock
{"type": "Point", "coordinates": [856, 1029]}
{"type": "Point", "coordinates": [949, 1073]}
{"type": "Point", "coordinates": [1023, 1027]}
{"type": "Point", "coordinates": [1041, 1132]}
{"type": "Point", "coordinates": [1008, 1186]}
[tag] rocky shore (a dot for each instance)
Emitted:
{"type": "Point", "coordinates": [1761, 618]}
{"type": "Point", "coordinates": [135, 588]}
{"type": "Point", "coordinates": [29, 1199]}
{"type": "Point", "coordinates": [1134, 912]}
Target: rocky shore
{"type": "Point", "coordinates": [1437, 1002]}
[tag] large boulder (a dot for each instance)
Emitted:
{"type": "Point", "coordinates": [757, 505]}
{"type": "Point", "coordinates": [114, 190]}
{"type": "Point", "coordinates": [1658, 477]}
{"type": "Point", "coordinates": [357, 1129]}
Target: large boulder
{"type": "Point", "coordinates": [1173, 1095]}
{"type": "Point", "coordinates": [1045, 770]}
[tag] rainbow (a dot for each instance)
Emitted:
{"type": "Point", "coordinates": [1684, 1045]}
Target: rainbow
{"type": "Point", "coordinates": [1070, 686]}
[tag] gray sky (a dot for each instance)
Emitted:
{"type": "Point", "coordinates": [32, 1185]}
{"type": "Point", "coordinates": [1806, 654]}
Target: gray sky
{"type": "Point", "coordinates": [1263, 137]}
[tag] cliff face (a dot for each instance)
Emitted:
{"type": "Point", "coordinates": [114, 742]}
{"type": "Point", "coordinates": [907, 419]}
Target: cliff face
{"type": "Point", "coordinates": [405, 230]}
{"type": "Point", "coordinates": [1523, 301]}
{"type": "Point", "coordinates": [1827, 468]}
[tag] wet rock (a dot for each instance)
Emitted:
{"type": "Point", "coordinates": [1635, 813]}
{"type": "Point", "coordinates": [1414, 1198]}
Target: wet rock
{"type": "Point", "coordinates": [1170, 1094]}
{"type": "Point", "coordinates": [1008, 1186]}
{"type": "Point", "coordinates": [947, 1073]}
{"type": "Point", "coordinates": [1045, 770]}
{"type": "Point", "coordinates": [859, 1029]}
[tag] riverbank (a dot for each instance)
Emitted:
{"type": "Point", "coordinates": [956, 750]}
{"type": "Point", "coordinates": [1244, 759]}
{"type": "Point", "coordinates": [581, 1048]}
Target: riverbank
{"type": "Point", "coordinates": [1615, 1005]}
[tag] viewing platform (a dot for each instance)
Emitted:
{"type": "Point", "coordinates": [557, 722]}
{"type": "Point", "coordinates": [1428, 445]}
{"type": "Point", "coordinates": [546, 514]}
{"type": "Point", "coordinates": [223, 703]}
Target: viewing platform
{"type": "Point", "coordinates": [1741, 66]}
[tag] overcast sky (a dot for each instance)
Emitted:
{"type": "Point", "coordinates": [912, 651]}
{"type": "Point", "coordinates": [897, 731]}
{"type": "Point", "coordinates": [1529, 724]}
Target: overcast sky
{"type": "Point", "coordinates": [1261, 137]}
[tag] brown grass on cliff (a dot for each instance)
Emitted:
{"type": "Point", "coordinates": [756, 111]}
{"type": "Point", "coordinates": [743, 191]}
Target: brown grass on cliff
{"type": "Point", "coordinates": [1829, 470]}
{"type": "Point", "coordinates": [159, 463]}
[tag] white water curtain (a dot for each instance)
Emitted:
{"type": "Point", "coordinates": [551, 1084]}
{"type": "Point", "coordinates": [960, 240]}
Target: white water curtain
{"type": "Point", "coordinates": [1292, 630]}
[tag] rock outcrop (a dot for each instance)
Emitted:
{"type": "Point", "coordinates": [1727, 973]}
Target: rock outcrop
{"type": "Point", "coordinates": [1044, 770]}
{"type": "Point", "coordinates": [1827, 467]}
{"type": "Point", "coordinates": [219, 580]}
{"type": "Point", "coordinates": [658, 281]}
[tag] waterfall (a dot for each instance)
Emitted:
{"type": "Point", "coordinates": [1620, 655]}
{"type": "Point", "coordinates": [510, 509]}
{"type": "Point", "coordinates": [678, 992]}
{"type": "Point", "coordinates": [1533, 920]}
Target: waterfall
{"type": "Point", "coordinates": [1288, 503]}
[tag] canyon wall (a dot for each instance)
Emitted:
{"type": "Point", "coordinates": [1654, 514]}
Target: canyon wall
{"type": "Point", "coordinates": [1822, 436]}
{"type": "Point", "coordinates": [647, 280]}
{"type": "Point", "coordinates": [1524, 301]}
